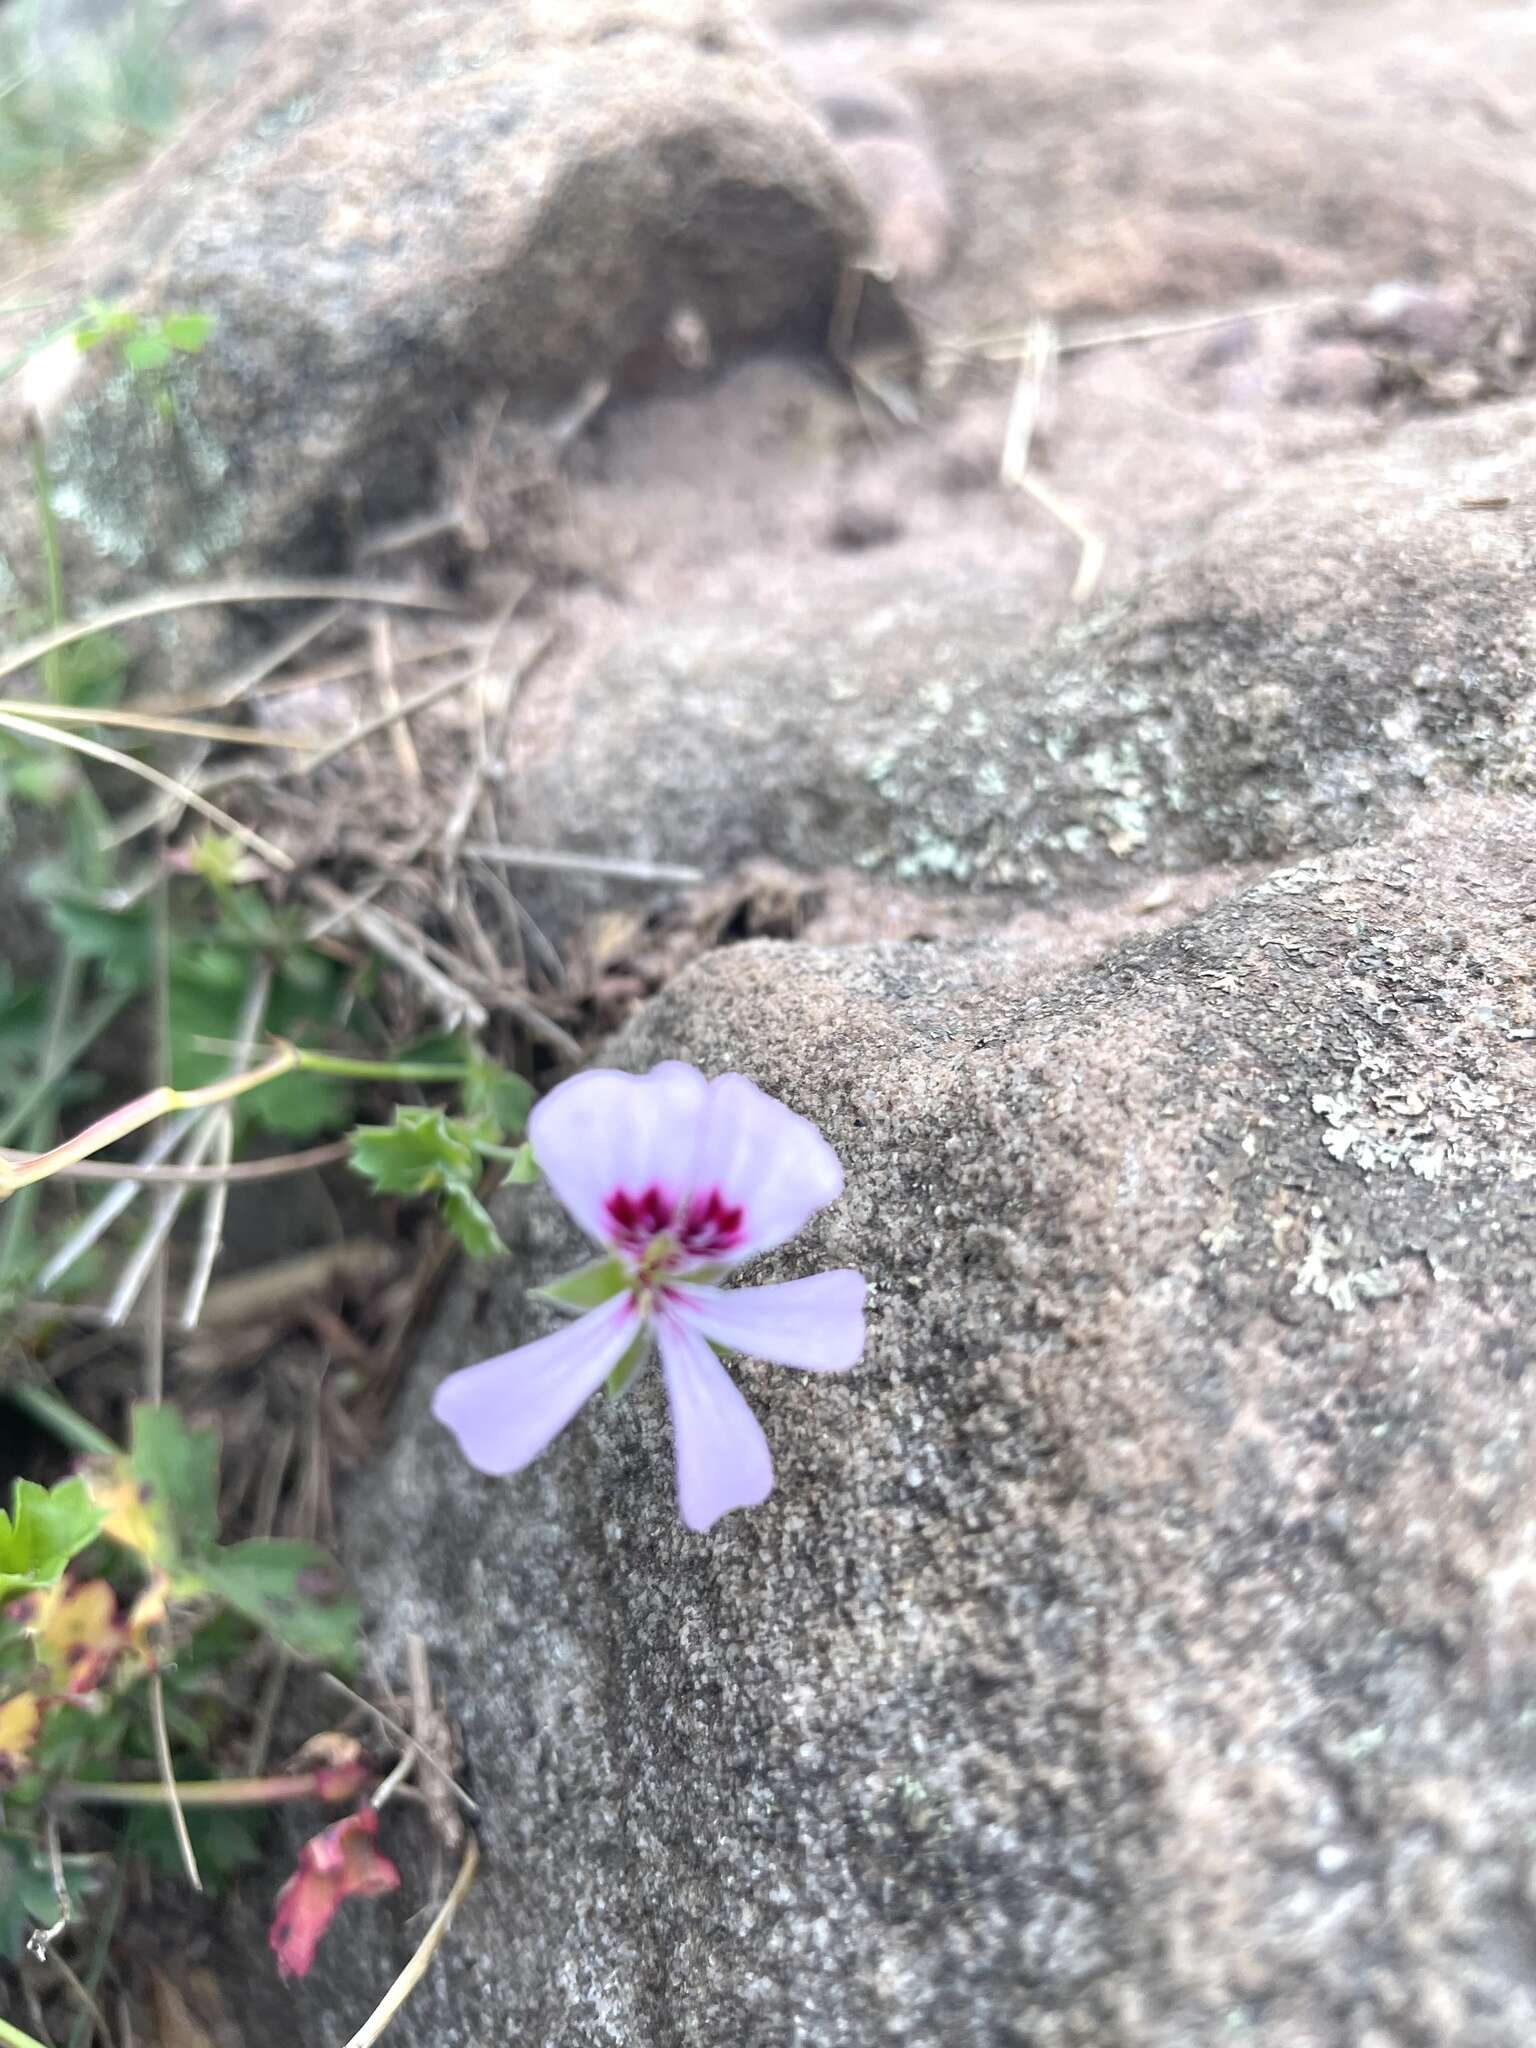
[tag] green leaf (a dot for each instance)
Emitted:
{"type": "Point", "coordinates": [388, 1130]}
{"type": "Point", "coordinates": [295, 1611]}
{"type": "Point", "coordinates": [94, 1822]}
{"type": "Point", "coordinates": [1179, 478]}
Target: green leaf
{"type": "Point", "coordinates": [146, 352]}
{"type": "Point", "coordinates": [187, 331]}
{"type": "Point", "coordinates": [471, 1223]}
{"type": "Point", "coordinates": [93, 671]}
{"type": "Point", "coordinates": [226, 1840]}
{"type": "Point", "coordinates": [292, 1590]}
{"type": "Point", "coordinates": [524, 1170]}
{"type": "Point", "coordinates": [27, 1897]}
{"type": "Point", "coordinates": [621, 1379]}
{"type": "Point", "coordinates": [493, 1095]}
{"type": "Point", "coordinates": [588, 1286]}
{"type": "Point", "coordinates": [177, 1470]}
{"type": "Point", "coordinates": [421, 1150]}
{"type": "Point", "coordinates": [43, 1531]}
{"type": "Point", "coordinates": [117, 940]}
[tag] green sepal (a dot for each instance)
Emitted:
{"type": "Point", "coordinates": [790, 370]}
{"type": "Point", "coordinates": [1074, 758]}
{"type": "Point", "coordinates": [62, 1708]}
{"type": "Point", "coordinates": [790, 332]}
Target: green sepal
{"type": "Point", "coordinates": [619, 1381]}
{"type": "Point", "coordinates": [524, 1170]}
{"type": "Point", "coordinates": [589, 1286]}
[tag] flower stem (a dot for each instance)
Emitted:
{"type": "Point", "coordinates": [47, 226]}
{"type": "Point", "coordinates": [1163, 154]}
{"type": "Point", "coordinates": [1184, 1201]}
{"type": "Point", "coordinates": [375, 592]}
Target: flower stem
{"type": "Point", "coordinates": [205, 1792]}
{"type": "Point", "coordinates": [144, 1109]}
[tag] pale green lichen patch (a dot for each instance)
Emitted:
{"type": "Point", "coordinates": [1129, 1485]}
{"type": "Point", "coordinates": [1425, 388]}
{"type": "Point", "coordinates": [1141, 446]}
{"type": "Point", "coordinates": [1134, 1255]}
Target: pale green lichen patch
{"type": "Point", "coordinates": [143, 481]}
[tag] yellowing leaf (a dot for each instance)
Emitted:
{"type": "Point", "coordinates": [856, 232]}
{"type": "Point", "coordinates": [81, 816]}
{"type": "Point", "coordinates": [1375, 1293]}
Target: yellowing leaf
{"type": "Point", "coordinates": [149, 1618]}
{"type": "Point", "coordinates": [21, 1717]}
{"type": "Point", "coordinates": [128, 1517]}
{"type": "Point", "coordinates": [80, 1637]}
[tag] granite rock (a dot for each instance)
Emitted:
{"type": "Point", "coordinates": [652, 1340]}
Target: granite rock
{"type": "Point", "coordinates": [1136, 1650]}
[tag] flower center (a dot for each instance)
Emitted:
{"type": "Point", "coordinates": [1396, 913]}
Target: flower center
{"type": "Point", "coordinates": [658, 1233]}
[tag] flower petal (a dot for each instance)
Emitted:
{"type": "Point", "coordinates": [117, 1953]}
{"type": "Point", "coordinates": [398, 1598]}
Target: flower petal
{"type": "Point", "coordinates": [723, 1461]}
{"type": "Point", "coordinates": [339, 1863]}
{"type": "Point", "coordinates": [508, 1409]}
{"type": "Point", "coordinates": [759, 1155]}
{"type": "Point", "coordinates": [816, 1323]}
{"type": "Point", "coordinates": [602, 1132]}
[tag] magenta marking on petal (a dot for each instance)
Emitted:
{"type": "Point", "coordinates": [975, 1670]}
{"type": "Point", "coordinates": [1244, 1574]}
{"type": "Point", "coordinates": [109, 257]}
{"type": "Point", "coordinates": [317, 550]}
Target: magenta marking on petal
{"type": "Point", "coordinates": [635, 1219]}
{"type": "Point", "coordinates": [711, 1226]}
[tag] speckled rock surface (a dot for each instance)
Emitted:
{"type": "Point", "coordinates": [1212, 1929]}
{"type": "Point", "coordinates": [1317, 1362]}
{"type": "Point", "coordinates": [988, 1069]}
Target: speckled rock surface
{"type": "Point", "coordinates": [1098, 157]}
{"type": "Point", "coordinates": [406, 209]}
{"type": "Point", "coordinates": [1342, 641]}
{"type": "Point", "coordinates": [1138, 1648]}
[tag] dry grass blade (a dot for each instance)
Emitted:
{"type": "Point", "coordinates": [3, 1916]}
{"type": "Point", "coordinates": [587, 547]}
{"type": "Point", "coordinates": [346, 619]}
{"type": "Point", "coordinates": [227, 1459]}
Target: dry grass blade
{"type": "Point", "coordinates": [1090, 559]}
{"type": "Point", "coordinates": [168, 1780]}
{"type": "Point", "coordinates": [545, 859]}
{"type": "Point", "coordinates": [111, 1206]}
{"type": "Point", "coordinates": [394, 1998]}
{"type": "Point", "coordinates": [404, 1737]}
{"type": "Point", "coordinates": [1031, 407]}
{"type": "Point", "coordinates": [377, 930]}
{"type": "Point", "coordinates": [255, 591]}
{"type": "Point", "coordinates": [95, 751]}
{"type": "Point", "coordinates": [141, 1175]}
{"type": "Point", "coordinates": [156, 722]}
{"type": "Point", "coordinates": [405, 707]}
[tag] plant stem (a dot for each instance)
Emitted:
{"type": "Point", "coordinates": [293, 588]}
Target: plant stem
{"type": "Point", "coordinates": [56, 1416]}
{"type": "Point", "coordinates": [80, 2031]}
{"type": "Point", "coordinates": [15, 2038]}
{"type": "Point", "coordinates": [377, 1070]}
{"type": "Point", "coordinates": [48, 534]}
{"type": "Point", "coordinates": [16, 1174]}
{"type": "Point", "coordinates": [203, 1792]}
{"type": "Point", "coordinates": [68, 1051]}
{"type": "Point", "coordinates": [63, 996]}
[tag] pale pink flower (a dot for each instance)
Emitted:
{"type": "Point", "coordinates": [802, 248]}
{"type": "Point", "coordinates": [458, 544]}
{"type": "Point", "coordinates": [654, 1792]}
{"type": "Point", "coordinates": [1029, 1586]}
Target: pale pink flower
{"type": "Point", "coordinates": [680, 1180]}
{"type": "Point", "coordinates": [340, 1863]}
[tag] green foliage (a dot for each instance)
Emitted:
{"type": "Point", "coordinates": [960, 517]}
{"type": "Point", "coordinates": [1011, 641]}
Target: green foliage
{"type": "Point", "coordinates": [170, 1483]}
{"type": "Point", "coordinates": [27, 1896]}
{"type": "Point", "coordinates": [43, 1532]}
{"type": "Point", "coordinates": [291, 1590]}
{"type": "Point", "coordinates": [147, 346]}
{"type": "Point", "coordinates": [225, 1841]}
{"type": "Point", "coordinates": [79, 108]}
{"type": "Point", "coordinates": [211, 965]}
{"type": "Point", "coordinates": [496, 1099]}
{"type": "Point", "coordinates": [621, 1379]}
{"type": "Point", "coordinates": [427, 1151]}
{"type": "Point", "coordinates": [176, 1473]}
{"type": "Point", "coordinates": [422, 1151]}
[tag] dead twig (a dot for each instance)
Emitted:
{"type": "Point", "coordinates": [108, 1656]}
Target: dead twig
{"type": "Point", "coordinates": [255, 590]}
{"type": "Point", "coordinates": [168, 1780]}
{"type": "Point", "coordinates": [547, 859]}
{"type": "Point", "coordinates": [1090, 559]}
{"type": "Point", "coordinates": [404, 1737]}
{"type": "Point", "coordinates": [375, 929]}
{"type": "Point", "coordinates": [398, 1992]}
{"type": "Point", "coordinates": [141, 1175]}
{"type": "Point", "coordinates": [77, 743]}
{"type": "Point", "coordinates": [381, 648]}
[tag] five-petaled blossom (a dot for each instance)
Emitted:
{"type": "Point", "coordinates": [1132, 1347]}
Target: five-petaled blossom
{"type": "Point", "coordinates": [680, 1180]}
